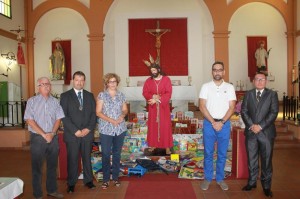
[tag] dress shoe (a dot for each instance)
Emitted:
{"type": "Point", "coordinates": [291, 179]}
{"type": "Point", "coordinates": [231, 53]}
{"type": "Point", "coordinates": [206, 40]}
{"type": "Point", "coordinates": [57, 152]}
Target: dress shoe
{"type": "Point", "coordinates": [248, 187]}
{"type": "Point", "coordinates": [70, 189]}
{"type": "Point", "coordinates": [268, 193]}
{"type": "Point", "coordinates": [56, 195]}
{"type": "Point", "coordinates": [90, 185]}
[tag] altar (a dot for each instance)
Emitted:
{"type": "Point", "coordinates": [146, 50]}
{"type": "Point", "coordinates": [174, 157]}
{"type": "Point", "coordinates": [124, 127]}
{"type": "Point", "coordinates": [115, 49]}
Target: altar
{"type": "Point", "coordinates": [10, 188]}
{"type": "Point", "coordinates": [180, 96]}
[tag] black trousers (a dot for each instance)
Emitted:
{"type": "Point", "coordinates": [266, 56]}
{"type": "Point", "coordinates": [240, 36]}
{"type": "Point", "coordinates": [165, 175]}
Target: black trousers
{"type": "Point", "coordinates": [41, 150]}
{"type": "Point", "coordinates": [74, 150]}
{"type": "Point", "coordinates": [258, 145]}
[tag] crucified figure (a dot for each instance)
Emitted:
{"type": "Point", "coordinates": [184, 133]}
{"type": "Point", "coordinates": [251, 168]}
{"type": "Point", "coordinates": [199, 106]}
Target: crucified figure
{"type": "Point", "coordinates": [157, 33]}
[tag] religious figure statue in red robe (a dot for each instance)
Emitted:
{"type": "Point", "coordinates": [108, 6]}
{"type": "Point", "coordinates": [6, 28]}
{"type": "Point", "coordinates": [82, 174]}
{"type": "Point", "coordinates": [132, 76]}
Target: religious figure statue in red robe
{"type": "Point", "coordinates": [157, 91]}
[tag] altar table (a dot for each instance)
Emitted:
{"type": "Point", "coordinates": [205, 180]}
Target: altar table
{"type": "Point", "coordinates": [10, 187]}
{"type": "Point", "coordinates": [182, 93]}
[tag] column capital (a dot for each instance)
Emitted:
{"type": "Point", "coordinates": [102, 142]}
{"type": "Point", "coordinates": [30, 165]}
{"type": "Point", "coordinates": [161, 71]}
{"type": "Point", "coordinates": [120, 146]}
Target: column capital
{"type": "Point", "coordinates": [96, 37]}
{"type": "Point", "coordinates": [221, 34]}
{"type": "Point", "coordinates": [290, 34]}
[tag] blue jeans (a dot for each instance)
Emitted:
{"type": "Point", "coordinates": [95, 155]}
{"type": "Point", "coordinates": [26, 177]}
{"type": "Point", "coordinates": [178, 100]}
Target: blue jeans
{"type": "Point", "coordinates": [111, 144]}
{"type": "Point", "coordinates": [210, 136]}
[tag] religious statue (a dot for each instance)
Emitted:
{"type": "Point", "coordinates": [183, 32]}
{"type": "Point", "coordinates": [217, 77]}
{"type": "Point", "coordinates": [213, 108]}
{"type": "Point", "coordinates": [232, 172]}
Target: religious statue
{"type": "Point", "coordinates": [157, 33]}
{"type": "Point", "coordinates": [151, 61]}
{"type": "Point", "coordinates": [261, 54]}
{"type": "Point", "coordinates": [57, 63]}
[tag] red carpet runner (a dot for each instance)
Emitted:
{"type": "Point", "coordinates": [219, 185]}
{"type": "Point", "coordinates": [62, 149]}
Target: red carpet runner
{"type": "Point", "coordinates": [159, 186]}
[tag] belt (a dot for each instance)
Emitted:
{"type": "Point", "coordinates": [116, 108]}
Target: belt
{"type": "Point", "coordinates": [218, 120]}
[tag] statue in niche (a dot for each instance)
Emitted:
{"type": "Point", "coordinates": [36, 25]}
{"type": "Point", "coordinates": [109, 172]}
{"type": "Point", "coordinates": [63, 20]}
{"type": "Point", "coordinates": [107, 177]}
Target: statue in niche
{"type": "Point", "coordinates": [57, 63]}
{"type": "Point", "coordinates": [261, 55]}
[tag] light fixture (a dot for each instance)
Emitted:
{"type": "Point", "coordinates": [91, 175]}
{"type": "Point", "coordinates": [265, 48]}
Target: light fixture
{"type": "Point", "coordinates": [9, 56]}
{"type": "Point", "coordinates": [6, 75]}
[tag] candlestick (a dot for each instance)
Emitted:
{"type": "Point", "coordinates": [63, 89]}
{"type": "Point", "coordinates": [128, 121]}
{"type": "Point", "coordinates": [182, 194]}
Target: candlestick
{"type": "Point", "coordinates": [293, 75]}
{"type": "Point", "coordinates": [127, 81]}
{"type": "Point", "coordinates": [189, 80]}
{"type": "Point", "coordinates": [237, 86]}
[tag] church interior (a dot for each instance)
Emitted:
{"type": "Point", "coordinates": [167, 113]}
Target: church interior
{"type": "Point", "coordinates": [122, 36]}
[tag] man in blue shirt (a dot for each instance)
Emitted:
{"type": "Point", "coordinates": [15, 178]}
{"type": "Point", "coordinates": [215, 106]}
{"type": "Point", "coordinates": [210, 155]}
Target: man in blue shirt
{"type": "Point", "coordinates": [43, 114]}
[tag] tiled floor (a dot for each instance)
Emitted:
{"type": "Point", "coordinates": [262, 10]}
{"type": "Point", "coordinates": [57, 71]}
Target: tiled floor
{"type": "Point", "coordinates": [286, 179]}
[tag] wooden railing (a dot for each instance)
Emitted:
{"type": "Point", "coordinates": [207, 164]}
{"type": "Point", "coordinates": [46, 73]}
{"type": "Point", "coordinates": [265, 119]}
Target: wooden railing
{"type": "Point", "coordinates": [12, 113]}
{"type": "Point", "coordinates": [290, 108]}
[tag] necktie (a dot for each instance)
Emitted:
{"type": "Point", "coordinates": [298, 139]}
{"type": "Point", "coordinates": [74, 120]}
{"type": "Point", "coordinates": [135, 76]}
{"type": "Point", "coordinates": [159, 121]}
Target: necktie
{"type": "Point", "coordinates": [80, 98]}
{"type": "Point", "coordinates": [258, 96]}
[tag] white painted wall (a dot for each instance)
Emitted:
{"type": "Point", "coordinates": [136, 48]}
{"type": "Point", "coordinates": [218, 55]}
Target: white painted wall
{"type": "Point", "coordinates": [265, 22]}
{"type": "Point", "coordinates": [65, 24]}
{"type": "Point", "coordinates": [10, 45]}
{"type": "Point", "coordinates": [68, 24]}
{"type": "Point", "coordinates": [200, 41]}
{"type": "Point", "coordinates": [17, 16]}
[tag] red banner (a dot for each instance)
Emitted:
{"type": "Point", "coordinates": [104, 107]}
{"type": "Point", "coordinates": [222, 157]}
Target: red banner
{"type": "Point", "coordinates": [173, 46]}
{"type": "Point", "coordinates": [20, 54]}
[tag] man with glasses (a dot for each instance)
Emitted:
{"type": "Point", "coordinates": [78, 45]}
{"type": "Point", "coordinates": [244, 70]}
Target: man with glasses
{"type": "Point", "coordinates": [79, 124]}
{"type": "Point", "coordinates": [259, 112]}
{"type": "Point", "coordinates": [43, 114]}
{"type": "Point", "coordinates": [217, 103]}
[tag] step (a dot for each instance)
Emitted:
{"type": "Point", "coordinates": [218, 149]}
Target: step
{"type": "Point", "coordinates": [282, 128]}
{"type": "Point", "coordinates": [284, 144]}
{"type": "Point", "coordinates": [288, 135]}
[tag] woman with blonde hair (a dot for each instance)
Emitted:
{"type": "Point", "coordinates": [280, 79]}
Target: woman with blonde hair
{"type": "Point", "coordinates": [111, 109]}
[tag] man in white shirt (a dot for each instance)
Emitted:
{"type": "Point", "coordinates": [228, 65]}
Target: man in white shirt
{"type": "Point", "coordinates": [217, 103]}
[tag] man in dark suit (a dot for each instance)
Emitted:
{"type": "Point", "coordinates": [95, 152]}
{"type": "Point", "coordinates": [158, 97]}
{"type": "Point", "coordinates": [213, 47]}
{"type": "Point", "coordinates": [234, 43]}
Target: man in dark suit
{"type": "Point", "coordinates": [79, 123]}
{"type": "Point", "coordinates": [259, 112]}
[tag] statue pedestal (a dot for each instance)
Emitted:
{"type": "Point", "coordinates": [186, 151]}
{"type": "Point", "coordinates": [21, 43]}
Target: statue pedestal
{"type": "Point", "coordinates": [58, 86]}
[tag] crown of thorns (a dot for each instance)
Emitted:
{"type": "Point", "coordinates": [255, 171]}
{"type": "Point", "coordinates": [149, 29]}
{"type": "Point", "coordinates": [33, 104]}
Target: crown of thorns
{"type": "Point", "coordinates": [151, 61]}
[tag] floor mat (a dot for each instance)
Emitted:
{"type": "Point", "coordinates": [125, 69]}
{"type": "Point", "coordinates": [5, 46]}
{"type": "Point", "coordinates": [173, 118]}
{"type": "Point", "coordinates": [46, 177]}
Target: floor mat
{"type": "Point", "coordinates": [159, 186]}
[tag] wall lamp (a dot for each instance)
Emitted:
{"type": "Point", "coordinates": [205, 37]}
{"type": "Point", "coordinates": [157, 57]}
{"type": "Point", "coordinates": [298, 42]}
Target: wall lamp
{"type": "Point", "coordinates": [9, 56]}
{"type": "Point", "coordinates": [6, 75]}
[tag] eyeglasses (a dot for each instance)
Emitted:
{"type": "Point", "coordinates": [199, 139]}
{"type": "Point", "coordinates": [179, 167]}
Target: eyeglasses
{"type": "Point", "coordinates": [217, 70]}
{"type": "Point", "coordinates": [112, 82]}
{"type": "Point", "coordinates": [259, 79]}
{"type": "Point", "coordinates": [44, 85]}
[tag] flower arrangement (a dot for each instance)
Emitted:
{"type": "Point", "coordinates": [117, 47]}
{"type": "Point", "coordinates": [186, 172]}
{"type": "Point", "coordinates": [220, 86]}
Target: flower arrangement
{"type": "Point", "coordinates": [238, 106]}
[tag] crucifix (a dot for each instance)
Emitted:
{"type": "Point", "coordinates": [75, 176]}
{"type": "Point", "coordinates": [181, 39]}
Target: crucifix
{"type": "Point", "coordinates": [157, 33]}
